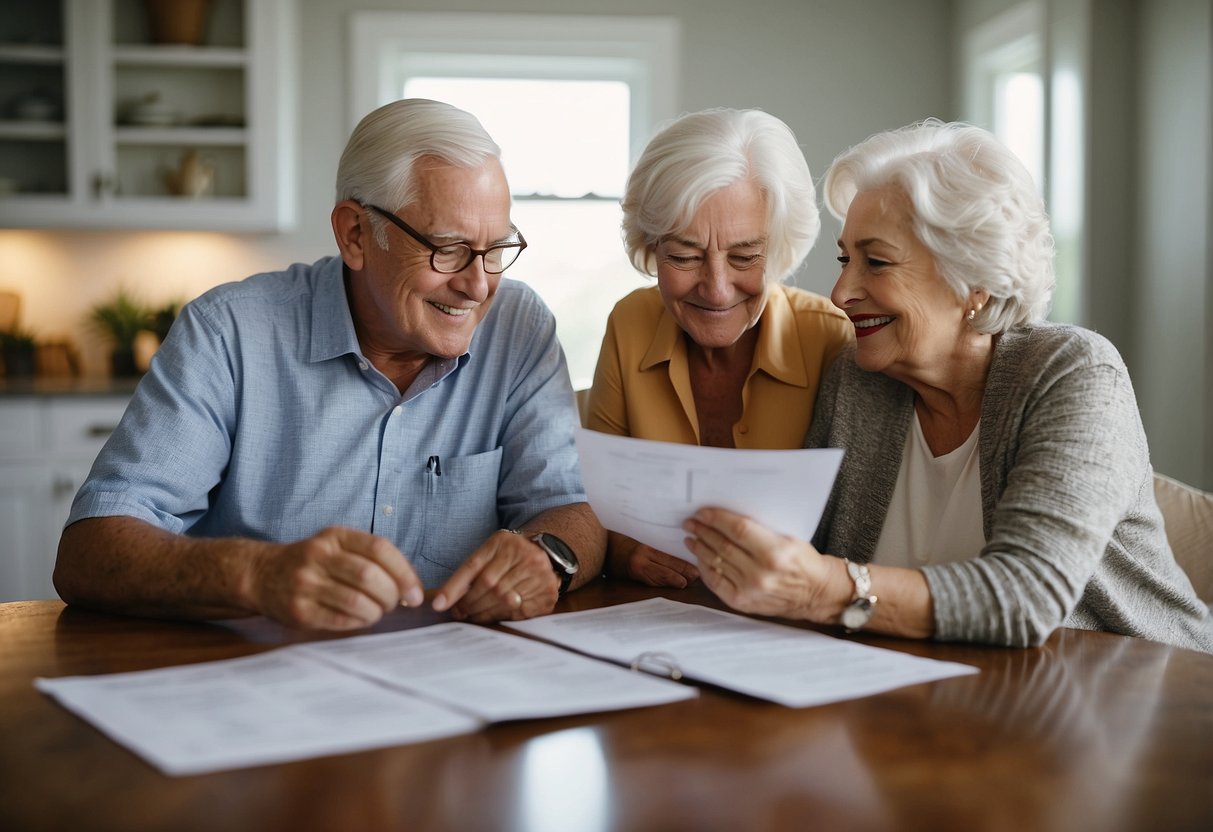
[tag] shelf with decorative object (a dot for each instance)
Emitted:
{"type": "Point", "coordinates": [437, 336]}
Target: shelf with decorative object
{"type": "Point", "coordinates": [119, 118]}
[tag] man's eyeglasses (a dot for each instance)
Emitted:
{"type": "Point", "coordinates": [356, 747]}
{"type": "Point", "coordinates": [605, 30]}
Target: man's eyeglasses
{"type": "Point", "coordinates": [455, 257]}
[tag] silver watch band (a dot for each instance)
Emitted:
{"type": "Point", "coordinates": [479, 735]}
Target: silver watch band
{"type": "Point", "coordinates": [858, 613]}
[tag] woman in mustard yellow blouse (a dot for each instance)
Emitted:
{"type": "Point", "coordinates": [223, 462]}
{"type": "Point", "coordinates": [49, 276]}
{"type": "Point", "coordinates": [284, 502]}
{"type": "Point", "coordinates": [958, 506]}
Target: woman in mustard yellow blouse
{"type": "Point", "coordinates": [721, 208]}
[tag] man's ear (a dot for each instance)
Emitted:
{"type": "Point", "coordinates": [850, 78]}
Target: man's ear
{"type": "Point", "coordinates": [352, 235]}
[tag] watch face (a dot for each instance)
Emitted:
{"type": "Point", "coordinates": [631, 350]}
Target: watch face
{"type": "Point", "coordinates": [558, 551]}
{"type": "Point", "coordinates": [857, 613]}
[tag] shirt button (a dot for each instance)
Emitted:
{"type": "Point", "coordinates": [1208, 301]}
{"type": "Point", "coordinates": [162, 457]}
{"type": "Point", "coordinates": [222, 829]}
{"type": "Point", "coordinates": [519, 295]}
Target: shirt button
{"type": "Point", "coordinates": [362, 365]}
{"type": "Point", "coordinates": [396, 410]}
{"type": "Point", "coordinates": [387, 510]}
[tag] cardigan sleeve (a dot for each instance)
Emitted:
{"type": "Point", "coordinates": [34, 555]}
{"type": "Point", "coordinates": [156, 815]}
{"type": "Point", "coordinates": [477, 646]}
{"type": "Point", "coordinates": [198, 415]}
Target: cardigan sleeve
{"type": "Point", "coordinates": [1073, 454]}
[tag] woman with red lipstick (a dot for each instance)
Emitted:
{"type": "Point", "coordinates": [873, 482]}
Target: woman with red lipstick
{"type": "Point", "coordinates": [997, 482]}
{"type": "Point", "coordinates": [722, 209]}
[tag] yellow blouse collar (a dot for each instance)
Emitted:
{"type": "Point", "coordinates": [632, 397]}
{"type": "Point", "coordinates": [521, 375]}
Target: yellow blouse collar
{"type": "Point", "coordinates": [777, 355]}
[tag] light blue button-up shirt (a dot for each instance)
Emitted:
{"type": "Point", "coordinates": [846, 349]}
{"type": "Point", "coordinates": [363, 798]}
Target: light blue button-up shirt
{"type": "Point", "coordinates": [261, 418]}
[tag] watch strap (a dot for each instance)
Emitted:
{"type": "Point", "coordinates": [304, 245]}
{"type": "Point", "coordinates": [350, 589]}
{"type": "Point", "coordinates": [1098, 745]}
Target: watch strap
{"type": "Point", "coordinates": [858, 612]}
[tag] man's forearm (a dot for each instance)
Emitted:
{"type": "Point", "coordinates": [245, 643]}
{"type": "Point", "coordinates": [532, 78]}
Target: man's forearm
{"type": "Point", "coordinates": [577, 526]}
{"type": "Point", "coordinates": [125, 565]}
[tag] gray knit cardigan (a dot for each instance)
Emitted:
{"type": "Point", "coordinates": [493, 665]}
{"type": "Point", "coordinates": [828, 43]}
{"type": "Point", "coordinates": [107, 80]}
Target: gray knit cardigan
{"type": "Point", "coordinates": [1074, 537]}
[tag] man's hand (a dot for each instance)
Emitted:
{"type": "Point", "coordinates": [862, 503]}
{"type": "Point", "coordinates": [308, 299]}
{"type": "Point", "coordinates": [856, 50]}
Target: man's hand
{"type": "Point", "coordinates": [629, 558]}
{"type": "Point", "coordinates": [338, 579]}
{"type": "Point", "coordinates": [508, 577]}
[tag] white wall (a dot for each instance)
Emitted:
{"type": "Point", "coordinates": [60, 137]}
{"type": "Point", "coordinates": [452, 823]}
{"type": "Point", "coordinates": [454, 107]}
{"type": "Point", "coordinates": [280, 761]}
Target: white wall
{"type": "Point", "coordinates": [1173, 301]}
{"type": "Point", "coordinates": [1146, 71]}
{"type": "Point", "coordinates": [835, 70]}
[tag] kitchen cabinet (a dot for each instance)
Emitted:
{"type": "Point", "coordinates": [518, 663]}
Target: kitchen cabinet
{"type": "Point", "coordinates": [102, 127]}
{"type": "Point", "coordinates": [47, 446]}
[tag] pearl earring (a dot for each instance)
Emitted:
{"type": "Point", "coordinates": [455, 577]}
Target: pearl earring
{"type": "Point", "coordinates": [972, 314]}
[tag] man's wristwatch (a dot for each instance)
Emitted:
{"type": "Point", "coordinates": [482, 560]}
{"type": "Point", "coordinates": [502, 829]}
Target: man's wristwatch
{"type": "Point", "coordinates": [857, 613]}
{"type": "Point", "coordinates": [563, 558]}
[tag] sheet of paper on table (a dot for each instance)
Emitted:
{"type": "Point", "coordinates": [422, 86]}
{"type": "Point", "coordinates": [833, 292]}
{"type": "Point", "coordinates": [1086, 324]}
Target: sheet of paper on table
{"type": "Point", "coordinates": [645, 489]}
{"type": "Point", "coordinates": [347, 695]}
{"type": "Point", "coordinates": [788, 665]}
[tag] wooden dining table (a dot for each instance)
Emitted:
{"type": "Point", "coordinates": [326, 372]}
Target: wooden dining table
{"type": "Point", "coordinates": [1091, 731]}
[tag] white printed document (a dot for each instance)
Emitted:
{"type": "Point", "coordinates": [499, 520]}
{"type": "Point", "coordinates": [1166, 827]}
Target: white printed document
{"type": "Point", "coordinates": [347, 695]}
{"type": "Point", "coordinates": [788, 665]}
{"type": "Point", "coordinates": [646, 489]}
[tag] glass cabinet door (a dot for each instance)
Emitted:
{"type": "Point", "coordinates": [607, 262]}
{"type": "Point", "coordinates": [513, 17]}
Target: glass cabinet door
{"type": "Point", "coordinates": [34, 109]}
{"type": "Point", "coordinates": [151, 114]}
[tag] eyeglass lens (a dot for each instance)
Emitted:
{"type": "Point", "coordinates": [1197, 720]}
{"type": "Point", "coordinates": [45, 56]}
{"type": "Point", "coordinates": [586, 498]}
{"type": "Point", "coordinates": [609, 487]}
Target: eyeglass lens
{"type": "Point", "coordinates": [457, 257]}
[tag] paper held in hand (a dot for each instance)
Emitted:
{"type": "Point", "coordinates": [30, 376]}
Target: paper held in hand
{"type": "Point", "coordinates": [646, 489]}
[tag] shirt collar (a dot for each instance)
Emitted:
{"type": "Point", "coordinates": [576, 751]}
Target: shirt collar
{"type": "Point", "coordinates": [332, 323]}
{"type": "Point", "coordinates": [333, 332]}
{"type": "Point", "coordinates": [776, 354]}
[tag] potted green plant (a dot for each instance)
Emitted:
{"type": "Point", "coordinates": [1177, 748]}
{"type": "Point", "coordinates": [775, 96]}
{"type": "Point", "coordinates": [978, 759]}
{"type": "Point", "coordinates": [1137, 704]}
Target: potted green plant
{"type": "Point", "coordinates": [162, 318]}
{"type": "Point", "coordinates": [120, 320]}
{"type": "Point", "coordinates": [18, 348]}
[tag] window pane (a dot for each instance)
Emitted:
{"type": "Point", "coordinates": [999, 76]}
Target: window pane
{"type": "Point", "coordinates": [558, 137]}
{"type": "Point", "coordinates": [569, 139]}
{"type": "Point", "coordinates": [576, 262]}
{"type": "Point", "coordinates": [1019, 110]}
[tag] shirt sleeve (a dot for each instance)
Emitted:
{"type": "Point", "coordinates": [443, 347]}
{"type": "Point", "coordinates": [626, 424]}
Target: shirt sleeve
{"type": "Point", "coordinates": [175, 438]}
{"type": "Point", "coordinates": [539, 467]}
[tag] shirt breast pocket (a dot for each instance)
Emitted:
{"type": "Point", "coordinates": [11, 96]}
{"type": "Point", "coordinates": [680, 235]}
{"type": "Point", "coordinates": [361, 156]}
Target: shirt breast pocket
{"type": "Point", "coordinates": [460, 511]}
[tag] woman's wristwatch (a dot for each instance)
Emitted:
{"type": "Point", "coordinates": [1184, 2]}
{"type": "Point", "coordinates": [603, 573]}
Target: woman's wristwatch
{"type": "Point", "coordinates": [856, 614]}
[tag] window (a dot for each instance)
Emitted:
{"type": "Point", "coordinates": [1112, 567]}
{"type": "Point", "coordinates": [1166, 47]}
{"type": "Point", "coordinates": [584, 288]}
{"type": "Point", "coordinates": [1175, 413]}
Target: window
{"type": "Point", "coordinates": [1005, 74]}
{"type": "Point", "coordinates": [1029, 100]}
{"type": "Point", "coordinates": [571, 113]}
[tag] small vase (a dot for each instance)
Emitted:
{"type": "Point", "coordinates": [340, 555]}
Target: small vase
{"type": "Point", "coordinates": [178, 21]}
{"type": "Point", "coordinates": [19, 363]}
{"type": "Point", "coordinates": [122, 363]}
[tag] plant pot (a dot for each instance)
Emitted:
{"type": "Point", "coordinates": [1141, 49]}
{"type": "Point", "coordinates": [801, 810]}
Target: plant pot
{"type": "Point", "coordinates": [19, 363]}
{"type": "Point", "coordinates": [178, 21]}
{"type": "Point", "coordinates": [122, 363]}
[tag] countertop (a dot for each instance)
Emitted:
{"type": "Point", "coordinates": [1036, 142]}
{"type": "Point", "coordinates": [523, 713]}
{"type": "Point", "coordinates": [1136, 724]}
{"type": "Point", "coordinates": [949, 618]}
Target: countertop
{"type": "Point", "coordinates": [87, 386]}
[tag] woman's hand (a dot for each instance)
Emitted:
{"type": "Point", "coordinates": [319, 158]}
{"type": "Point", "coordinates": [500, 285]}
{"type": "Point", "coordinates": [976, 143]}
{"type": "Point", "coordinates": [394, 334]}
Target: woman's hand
{"type": "Point", "coordinates": [628, 558]}
{"type": "Point", "coordinates": [755, 570]}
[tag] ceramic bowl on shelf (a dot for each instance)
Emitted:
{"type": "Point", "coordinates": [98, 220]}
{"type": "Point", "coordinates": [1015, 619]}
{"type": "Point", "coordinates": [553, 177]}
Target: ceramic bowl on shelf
{"type": "Point", "coordinates": [36, 108]}
{"type": "Point", "coordinates": [149, 111]}
{"type": "Point", "coordinates": [153, 117]}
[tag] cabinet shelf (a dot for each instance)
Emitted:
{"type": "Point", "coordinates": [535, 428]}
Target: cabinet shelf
{"type": "Point", "coordinates": [33, 131]}
{"type": "Point", "coordinates": [11, 53]}
{"type": "Point", "coordinates": [208, 136]}
{"type": "Point", "coordinates": [180, 56]}
{"type": "Point", "coordinates": [97, 119]}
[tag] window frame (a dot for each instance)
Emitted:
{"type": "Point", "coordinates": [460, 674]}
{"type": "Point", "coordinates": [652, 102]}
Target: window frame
{"type": "Point", "coordinates": [385, 47]}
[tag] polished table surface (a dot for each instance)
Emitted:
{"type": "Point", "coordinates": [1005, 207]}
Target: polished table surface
{"type": "Point", "coordinates": [1089, 732]}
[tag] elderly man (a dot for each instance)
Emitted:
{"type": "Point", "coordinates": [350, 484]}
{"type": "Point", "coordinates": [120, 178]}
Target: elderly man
{"type": "Point", "coordinates": [318, 445]}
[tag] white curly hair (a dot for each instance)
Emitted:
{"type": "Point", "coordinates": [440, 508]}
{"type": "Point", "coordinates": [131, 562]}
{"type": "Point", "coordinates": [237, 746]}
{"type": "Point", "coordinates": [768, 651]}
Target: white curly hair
{"type": "Point", "coordinates": [974, 206]}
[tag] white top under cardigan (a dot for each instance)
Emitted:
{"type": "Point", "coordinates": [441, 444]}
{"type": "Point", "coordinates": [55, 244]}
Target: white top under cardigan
{"type": "Point", "coordinates": [935, 513]}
